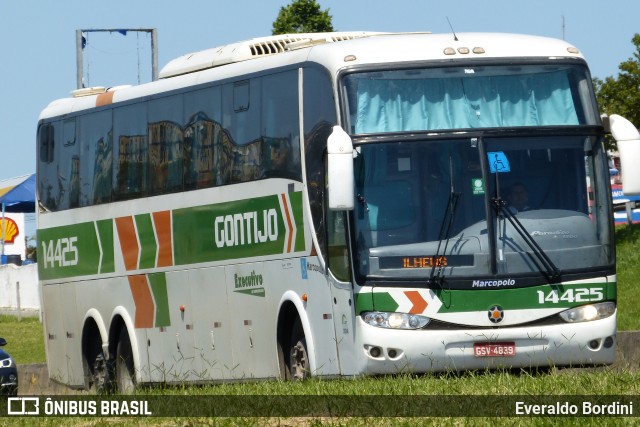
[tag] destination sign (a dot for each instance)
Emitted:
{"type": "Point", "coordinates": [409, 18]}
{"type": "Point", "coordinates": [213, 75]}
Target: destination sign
{"type": "Point", "coordinates": [426, 261]}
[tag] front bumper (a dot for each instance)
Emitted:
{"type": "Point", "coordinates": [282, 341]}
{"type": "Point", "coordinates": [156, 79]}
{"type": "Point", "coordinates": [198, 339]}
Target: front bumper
{"type": "Point", "coordinates": [386, 351]}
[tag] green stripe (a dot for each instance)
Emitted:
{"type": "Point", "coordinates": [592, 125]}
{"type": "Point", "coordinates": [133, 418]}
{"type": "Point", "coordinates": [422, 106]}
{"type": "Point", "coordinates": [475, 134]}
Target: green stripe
{"type": "Point", "coordinates": [105, 234]}
{"type": "Point", "coordinates": [158, 282]}
{"type": "Point", "coordinates": [378, 301]}
{"type": "Point", "coordinates": [456, 301]}
{"type": "Point", "coordinates": [298, 218]}
{"type": "Point", "coordinates": [148, 245]}
{"type": "Point", "coordinates": [521, 298]}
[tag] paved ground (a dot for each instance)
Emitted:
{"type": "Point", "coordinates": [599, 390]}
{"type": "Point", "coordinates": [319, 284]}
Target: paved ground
{"type": "Point", "coordinates": [34, 379]}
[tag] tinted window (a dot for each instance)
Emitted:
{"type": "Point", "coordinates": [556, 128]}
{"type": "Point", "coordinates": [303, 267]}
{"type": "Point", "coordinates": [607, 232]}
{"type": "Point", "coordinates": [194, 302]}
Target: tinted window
{"type": "Point", "coordinates": [280, 128]}
{"type": "Point", "coordinates": [319, 118]}
{"type": "Point", "coordinates": [49, 185]}
{"type": "Point", "coordinates": [130, 151]}
{"type": "Point", "coordinates": [203, 138]}
{"type": "Point", "coordinates": [165, 145]}
{"type": "Point", "coordinates": [242, 148]}
{"type": "Point", "coordinates": [96, 166]}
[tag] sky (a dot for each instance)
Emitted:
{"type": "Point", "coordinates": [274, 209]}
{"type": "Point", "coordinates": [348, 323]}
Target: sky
{"type": "Point", "coordinates": [38, 40]}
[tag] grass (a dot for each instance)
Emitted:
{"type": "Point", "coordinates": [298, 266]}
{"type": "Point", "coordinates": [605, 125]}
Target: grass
{"type": "Point", "coordinates": [25, 341]}
{"type": "Point", "coordinates": [26, 345]}
{"type": "Point", "coordinates": [628, 271]}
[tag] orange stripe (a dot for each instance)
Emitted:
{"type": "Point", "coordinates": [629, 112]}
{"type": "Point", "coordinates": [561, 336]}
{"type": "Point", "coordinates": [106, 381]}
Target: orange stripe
{"type": "Point", "coordinates": [143, 300]}
{"type": "Point", "coordinates": [104, 99]}
{"type": "Point", "coordinates": [162, 222]}
{"type": "Point", "coordinates": [128, 241]}
{"type": "Point", "coordinates": [419, 303]}
{"type": "Point", "coordinates": [286, 211]}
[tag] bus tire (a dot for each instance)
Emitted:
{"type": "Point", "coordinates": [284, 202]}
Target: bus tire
{"type": "Point", "coordinates": [124, 367]}
{"type": "Point", "coordinates": [298, 354]}
{"type": "Point", "coordinates": [97, 375]}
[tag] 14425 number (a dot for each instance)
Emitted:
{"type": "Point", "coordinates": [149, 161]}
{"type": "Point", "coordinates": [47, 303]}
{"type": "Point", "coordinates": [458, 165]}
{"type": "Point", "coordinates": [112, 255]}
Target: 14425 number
{"type": "Point", "coordinates": [571, 295]}
{"type": "Point", "coordinates": [60, 252]}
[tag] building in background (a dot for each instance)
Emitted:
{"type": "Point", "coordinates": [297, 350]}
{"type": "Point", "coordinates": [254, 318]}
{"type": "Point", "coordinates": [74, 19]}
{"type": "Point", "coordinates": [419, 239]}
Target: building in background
{"type": "Point", "coordinates": [17, 197]}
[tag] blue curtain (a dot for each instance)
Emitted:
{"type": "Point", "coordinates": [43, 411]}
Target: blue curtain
{"type": "Point", "coordinates": [396, 105]}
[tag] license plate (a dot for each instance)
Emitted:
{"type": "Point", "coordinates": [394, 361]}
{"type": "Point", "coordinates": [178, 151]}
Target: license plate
{"type": "Point", "coordinates": [494, 349]}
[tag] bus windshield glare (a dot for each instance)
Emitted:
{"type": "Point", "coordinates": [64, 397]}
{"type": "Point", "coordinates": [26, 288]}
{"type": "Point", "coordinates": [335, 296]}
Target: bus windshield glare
{"type": "Point", "coordinates": [424, 204]}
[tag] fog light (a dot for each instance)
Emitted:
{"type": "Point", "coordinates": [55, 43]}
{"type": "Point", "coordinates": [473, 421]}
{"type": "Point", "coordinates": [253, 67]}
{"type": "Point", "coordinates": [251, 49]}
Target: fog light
{"type": "Point", "coordinates": [593, 344]}
{"type": "Point", "coordinates": [608, 342]}
{"type": "Point", "coordinates": [375, 352]}
{"type": "Point", "coordinates": [392, 353]}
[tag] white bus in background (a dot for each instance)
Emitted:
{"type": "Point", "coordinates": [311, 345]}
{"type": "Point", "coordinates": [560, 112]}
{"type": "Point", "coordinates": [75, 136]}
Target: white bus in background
{"type": "Point", "coordinates": [331, 204]}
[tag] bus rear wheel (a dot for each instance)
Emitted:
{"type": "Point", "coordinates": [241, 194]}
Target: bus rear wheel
{"type": "Point", "coordinates": [96, 368]}
{"type": "Point", "coordinates": [96, 374]}
{"type": "Point", "coordinates": [125, 373]}
{"type": "Point", "coordinates": [298, 354]}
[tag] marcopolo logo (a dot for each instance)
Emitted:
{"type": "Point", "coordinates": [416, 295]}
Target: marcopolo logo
{"type": "Point", "coordinates": [492, 283]}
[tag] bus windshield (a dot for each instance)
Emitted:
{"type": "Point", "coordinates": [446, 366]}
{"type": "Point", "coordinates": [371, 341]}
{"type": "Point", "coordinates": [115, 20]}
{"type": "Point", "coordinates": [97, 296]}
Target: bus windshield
{"type": "Point", "coordinates": [470, 207]}
{"type": "Point", "coordinates": [471, 97]}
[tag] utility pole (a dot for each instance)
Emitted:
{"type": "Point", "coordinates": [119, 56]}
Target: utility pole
{"type": "Point", "coordinates": [81, 41]}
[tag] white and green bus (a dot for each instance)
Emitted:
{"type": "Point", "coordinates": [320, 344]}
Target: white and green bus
{"type": "Point", "coordinates": [331, 204]}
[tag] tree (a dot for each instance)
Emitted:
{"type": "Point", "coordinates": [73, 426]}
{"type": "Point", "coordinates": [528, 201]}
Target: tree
{"type": "Point", "coordinates": [302, 16]}
{"type": "Point", "coordinates": [621, 95]}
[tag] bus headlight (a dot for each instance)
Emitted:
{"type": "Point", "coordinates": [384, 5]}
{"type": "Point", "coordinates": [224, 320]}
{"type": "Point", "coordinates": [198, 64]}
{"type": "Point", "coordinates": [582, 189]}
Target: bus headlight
{"type": "Point", "coordinates": [589, 312]}
{"type": "Point", "coordinates": [383, 319]}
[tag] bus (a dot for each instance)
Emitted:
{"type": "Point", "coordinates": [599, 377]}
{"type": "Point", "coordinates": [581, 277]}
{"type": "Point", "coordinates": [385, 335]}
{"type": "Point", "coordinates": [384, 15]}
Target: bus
{"type": "Point", "coordinates": [335, 204]}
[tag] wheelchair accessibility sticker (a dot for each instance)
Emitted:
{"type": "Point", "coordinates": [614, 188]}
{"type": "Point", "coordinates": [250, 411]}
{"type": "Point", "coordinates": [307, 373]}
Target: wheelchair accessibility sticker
{"type": "Point", "coordinates": [498, 162]}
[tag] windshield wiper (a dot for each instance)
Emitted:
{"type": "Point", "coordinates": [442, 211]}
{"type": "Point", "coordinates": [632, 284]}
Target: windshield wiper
{"type": "Point", "coordinates": [542, 260]}
{"type": "Point", "coordinates": [445, 229]}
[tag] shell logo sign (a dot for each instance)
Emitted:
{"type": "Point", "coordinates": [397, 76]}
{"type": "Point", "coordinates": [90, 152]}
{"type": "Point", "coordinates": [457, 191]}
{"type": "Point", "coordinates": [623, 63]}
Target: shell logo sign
{"type": "Point", "coordinates": [10, 229]}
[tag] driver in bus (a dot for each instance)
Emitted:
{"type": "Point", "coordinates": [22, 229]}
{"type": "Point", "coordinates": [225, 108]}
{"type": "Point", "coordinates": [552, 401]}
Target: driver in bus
{"type": "Point", "coordinates": [518, 197]}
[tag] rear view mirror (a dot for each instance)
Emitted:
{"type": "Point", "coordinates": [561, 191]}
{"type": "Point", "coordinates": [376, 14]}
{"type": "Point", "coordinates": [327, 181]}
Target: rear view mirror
{"type": "Point", "coordinates": [628, 139]}
{"type": "Point", "coordinates": [340, 170]}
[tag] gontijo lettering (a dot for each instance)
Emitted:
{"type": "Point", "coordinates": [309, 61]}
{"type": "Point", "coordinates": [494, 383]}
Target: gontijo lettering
{"type": "Point", "coordinates": [246, 228]}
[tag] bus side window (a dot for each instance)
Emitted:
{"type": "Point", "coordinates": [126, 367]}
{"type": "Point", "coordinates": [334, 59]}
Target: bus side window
{"type": "Point", "coordinates": [130, 151]}
{"type": "Point", "coordinates": [319, 118]}
{"type": "Point", "coordinates": [242, 150]}
{"type": "Point", "coordinates": [96, 139]}
{"type": "Point", "coordinates": [48, 188]}
{"type": "Point", "coordinates": [280, 129]}
{"type": "Point", "coordinates": [202, 138]}
{"type": "Point", "coordinates": [165, 145]}
{"type": "Point", "coordinates": [46, 143]}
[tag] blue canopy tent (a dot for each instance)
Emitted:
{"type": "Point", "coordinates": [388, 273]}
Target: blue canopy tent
{"type": "Point", "coordinates": [17, 195]}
